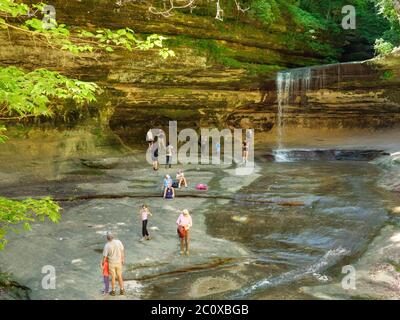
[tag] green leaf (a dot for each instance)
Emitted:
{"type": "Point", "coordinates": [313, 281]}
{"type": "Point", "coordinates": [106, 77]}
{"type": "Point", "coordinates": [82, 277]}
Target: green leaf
{"type": "Point", "coordinates": [14, 213]}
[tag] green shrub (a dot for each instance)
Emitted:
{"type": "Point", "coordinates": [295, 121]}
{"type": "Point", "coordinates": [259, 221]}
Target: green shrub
{"type": "Point", "coordinates": [306, 19]}
{"type": "Point", "coordinates": [266, 11]}
{"type": "Point", "coordinates": [388, 74]}
{"type": "Point", "coordinates": [382, 47]}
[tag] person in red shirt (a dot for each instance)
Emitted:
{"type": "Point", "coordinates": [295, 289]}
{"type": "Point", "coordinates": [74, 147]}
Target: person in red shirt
{"type": "Point", "coordinates": [106, 277]}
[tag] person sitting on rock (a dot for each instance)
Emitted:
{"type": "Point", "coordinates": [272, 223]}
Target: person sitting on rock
{"type": "Point", "coordinates": [166, 182]}
{"type": "Point", "coordinates": [180, 177]}
{"type": "Point", "coordinates": [169, 193]}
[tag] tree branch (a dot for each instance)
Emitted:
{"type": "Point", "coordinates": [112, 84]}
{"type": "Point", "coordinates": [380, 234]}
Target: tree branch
{"type": "Point", "coordinates": [167, 10]}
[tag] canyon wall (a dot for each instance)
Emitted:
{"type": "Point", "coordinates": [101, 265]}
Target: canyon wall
{"type": "Point", "coordinates": [224, 74]}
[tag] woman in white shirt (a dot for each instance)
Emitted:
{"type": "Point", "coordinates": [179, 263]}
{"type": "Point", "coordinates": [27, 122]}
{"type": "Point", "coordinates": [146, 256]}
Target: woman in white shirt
{"type": "Point", "coordinates": [184, 223]}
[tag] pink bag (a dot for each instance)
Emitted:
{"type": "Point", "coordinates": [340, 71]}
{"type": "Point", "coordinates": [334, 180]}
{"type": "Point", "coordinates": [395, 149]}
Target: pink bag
{"type": "Point", "coordinates": [201, 186]}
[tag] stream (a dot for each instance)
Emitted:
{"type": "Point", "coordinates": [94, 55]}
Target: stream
{"type": "Point", "coordinates": [244, 243]}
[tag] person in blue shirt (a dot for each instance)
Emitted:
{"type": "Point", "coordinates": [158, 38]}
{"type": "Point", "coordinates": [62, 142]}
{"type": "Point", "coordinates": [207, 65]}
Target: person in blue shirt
{"type": "Point", "coordinates": [166, 182]}
{"type": "Point", "coordinates": [218, 148]}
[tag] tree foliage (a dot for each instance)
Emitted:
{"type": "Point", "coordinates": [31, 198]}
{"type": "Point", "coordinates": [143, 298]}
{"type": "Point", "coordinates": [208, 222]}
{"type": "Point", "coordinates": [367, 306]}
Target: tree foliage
{"type": "Point", "coordinates": [3, 137]}
{"type": "Point", "coordinates": [390, 10]}
{"type": "Point", "coordinates": [74, 40]}
{"type": "Point", "coordinates": [38, 93]}
{"type": "Point", "coordinates": [14, 213]}
{"type": "Point", "coordinates": [43, 93]}
{"type": "Point", "coordinates": [266, 11]}
{"type": "Point", "coordinates": [382, 47]}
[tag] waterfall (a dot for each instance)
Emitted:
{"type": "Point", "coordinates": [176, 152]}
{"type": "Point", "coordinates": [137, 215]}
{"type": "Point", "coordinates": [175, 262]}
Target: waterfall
{"type": "Point", "coordinates": [293, 91]}
{"type": "Point", "coordinates": [290, 85]}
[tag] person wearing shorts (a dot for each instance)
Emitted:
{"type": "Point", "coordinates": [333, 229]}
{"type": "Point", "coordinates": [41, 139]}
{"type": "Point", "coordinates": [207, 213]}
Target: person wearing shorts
{"type": "Point", "coordinates": [184, 223]}
{"type": "Point", "coordinates": [114, 253]}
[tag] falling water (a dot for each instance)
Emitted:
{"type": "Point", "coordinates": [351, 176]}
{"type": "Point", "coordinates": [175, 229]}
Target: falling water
{"type": "Point", "coordinates": [293, 87]}
{"type": "Point", "coordinates": [290, 85]}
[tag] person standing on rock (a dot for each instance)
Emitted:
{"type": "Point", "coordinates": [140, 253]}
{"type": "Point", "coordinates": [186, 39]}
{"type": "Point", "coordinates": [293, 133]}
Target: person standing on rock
{"type": "Point", "coordinates": [161, 139]}
{"type": "Point", "coordinates": [149, 137]}
{"type": "Point", "coordinates": [144, 214]}
{"type": "Point", "coordinates": [106, 276]}
{"type": "Point", "coordinates": [184, 223]}
{"type": "Point", "coordinates": [114, 253]}
{"type": "Point", "coordinates": [245, 151]}
{"type": "Point", "coordinates": [154, 154]}
{"type": "Point", "coordinates": [168, 152]}
{"type": "Point", "coordinates": [218, 149]}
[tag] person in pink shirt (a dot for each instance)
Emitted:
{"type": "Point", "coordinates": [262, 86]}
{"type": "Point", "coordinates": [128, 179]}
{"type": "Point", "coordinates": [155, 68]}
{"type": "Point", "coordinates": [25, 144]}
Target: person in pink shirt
{"type": "Point", "coordinates": [144, 214]}
{"type": "Point", "coordinates": [184, 223]}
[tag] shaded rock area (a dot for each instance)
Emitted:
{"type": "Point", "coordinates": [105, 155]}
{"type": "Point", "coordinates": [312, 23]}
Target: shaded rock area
{"type": "Point", "coordinates": [109, 163]}
{"type": "Point", "coordinates": [12, 290]}
{"type": "Point", "coordinates": [326, 155]}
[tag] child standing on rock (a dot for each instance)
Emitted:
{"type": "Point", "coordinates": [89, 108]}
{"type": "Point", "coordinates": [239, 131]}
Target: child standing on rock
{"type": "Point", "coordinates": [144, 214]}
{"type": "Point", "coordinates": [106, 277]}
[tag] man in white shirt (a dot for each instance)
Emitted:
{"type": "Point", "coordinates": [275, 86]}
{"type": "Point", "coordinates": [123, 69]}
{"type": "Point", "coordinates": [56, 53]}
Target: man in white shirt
{"type": "Point", "coordinates": [169, 152]}
{"type": "Point", "coordinates": [150, 137]}
{"type": "Point", "coordinates": [114, 253]}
